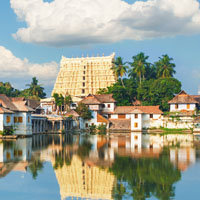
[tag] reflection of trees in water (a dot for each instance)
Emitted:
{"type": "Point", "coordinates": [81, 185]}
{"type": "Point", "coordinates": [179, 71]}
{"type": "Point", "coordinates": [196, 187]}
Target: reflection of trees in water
{"type": "Point", "coordinates": [35, 167]}
{"type": "Point", "coordinates": [145, 177]}
{"type": "Point", "coordinates": [84, 149]}
{"type": "Point", "coordinates": [64, 157]}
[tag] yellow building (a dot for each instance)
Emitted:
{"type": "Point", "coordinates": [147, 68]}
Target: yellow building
{"type": "Point", "coordinates": [82, 76]}
{"type": "Point", "coordinates": [84, 181]}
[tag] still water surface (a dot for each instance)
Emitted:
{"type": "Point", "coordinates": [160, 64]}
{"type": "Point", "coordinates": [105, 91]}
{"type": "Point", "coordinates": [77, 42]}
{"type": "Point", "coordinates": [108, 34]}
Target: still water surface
{"type": "Point", "coordinates": [136, 167]}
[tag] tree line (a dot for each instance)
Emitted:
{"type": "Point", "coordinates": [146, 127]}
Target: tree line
{"type": "Point", "coordinates": [150, 83]}
{"type": "Point", "coordinates": [34, 90]}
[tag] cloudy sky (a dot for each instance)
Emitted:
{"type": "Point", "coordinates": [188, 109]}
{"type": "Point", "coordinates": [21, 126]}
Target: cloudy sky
{"type": "Point", "coordinates": [34, 34]}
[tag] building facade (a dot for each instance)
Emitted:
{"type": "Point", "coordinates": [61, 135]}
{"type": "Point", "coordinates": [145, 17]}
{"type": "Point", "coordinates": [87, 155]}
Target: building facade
{"type": "Point", "coordinates": [82, 76]}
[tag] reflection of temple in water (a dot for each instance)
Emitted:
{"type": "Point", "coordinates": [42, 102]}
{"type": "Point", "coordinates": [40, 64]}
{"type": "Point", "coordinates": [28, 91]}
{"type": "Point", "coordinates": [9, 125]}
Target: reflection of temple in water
{"type": "Point", "coordinates": [84, 180]}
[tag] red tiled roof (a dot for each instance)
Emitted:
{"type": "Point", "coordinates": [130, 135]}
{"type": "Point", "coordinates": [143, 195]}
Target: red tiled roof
{"type": "Point", "coordinates": [105, 98]}
{"type": "Point", "coordinates": [4, 110]}
{"type": "Point", "coordinates": [14, 104]}
{"type": "Point", "coordinates": [183, 97]}
{"type": "Point", "coordinates": [102, 119]}
{"type": "Point", "coordinates": [196, 97]}
{"type": "Point", "coordinates": [98, 99]}
{"type": "Point", "coordinates": [72, 113]}
{"type": "Point", "coordinates": [138, 109]}
{"type": "Point", "coordinates": [7, 103]}
{"type": "Point", "coordinates": [90, 99]}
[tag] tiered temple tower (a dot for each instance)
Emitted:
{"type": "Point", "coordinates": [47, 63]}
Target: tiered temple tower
{"type": "Point", "coordinates": [82, 76]}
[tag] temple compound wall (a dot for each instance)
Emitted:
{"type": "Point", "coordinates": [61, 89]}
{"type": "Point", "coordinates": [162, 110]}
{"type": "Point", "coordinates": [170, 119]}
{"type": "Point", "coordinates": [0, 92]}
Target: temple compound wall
{"type": "Point", "coordinates": [82, 76]}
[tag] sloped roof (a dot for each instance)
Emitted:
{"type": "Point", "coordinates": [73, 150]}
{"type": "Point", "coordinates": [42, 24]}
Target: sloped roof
{"type": "Point", "coordinates": [98, 99]}
{"type": "Point", "coordinates": [14, 104]}
{"type": "Point", "coordinates": [91, 99]}
{"type": "Point", "coordinates": [72, 113]}
{"type": "Point", "coordinates": [137, 109]}
{"type": "Point", "coordinates": [21, 106]}
{"type": "Point", "coordinates": [4, 110]}
{"type": "Point", "coordinates": [196, 97]}
{"type": "Point", "coordinates": [100, 118]}
{"type": "Point", "coordinates": [7, 103]}
{"type": "Point", "coordinates": [105, 98]}
{"type": "Point", "coordinates": [183, 98]}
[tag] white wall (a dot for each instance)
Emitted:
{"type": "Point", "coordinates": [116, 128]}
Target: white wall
{"type": "Point", "coordinates": [24, 128]}
{"type": "Point", "coordinates": [111, 109]}
{"type": "Point", "coordinates": [114, 116]}
{"type": "Point", "coordinates": [136, 120]}
{"type": "Point", "coordinates": [181, 107]}
{"type": "Point", "coordinates": [1, 122]}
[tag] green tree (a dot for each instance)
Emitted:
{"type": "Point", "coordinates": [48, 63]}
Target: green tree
{"type": "Point", "coordinates": [158, 92]}
{"type": "Point", "coordinates": [139, 66]}
{"type": "Point", "coordinates": [84, 111]}
{"type": "Point", "coordinates": [59, 100]}
{"type": "Point", "coordinates": [68, 101]}
{"type": "Point", "coordinates": [119, 68]}
{"type": "Point", "coordinates": [36, 90]}
{"type": "Point", "coordinates": [164, 67]}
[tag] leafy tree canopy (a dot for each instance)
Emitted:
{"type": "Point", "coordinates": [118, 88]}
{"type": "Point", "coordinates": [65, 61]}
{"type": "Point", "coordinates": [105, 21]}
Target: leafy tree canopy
{"type": "Point", "coordinates": [84, 111]}
{"type": "Point", "coordinates": [152, 84]}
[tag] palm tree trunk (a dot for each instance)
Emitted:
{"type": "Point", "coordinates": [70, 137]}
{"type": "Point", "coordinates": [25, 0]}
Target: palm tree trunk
{"type": "Point", "coordinates": [122, 82]}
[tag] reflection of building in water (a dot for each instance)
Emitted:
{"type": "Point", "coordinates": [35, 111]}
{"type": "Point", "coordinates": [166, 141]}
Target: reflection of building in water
{"type": "Point", "coordinates": [183, 157]}
{"type": "Point", "coordinates": [84, 180]}
{"type": "Point", "coordinates": [14, 155]}
{"type": "Point", "coordinates": [20, 150]}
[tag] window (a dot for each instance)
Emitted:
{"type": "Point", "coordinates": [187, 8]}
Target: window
{"type": "Point", "coordinates": [151, 116]}
{"type": "Point", "coordinates": [84, 66]}
{"type": "Point", "coordinates": [135, 124]}
{"type": "Point", "coordinates": [136, 137]}
{"type": "Point", "coordinates": [7, 119]}
{"type": "Point", "coordinates": [28, 119]}
{"type": "Point", "coordinates": [20, 153]}
{"type": "Point", "coordinates": [8, 155]}
{"type": "Point", "coordinates": [15, 119]}
{"type": "Point", "coordinates": [86, 125]}
{"type": "Point", "coordinates": [108, 105]}
{"type": "Point", "coordinates": [83, 91]}
{"type": "Point", "coordinates": [20, 119]}
{"type": "Point", "coordinates": [176, 106]}
{"type": "Point", "coordinates": [188, 106]}
{"type": "Point", "coordinates": [83, 72]}
{"type": "Point", "coordinates": [109, 116]}
{"type": "Point", "coordinates": [83, 77]}
{"type": "Point", "coordinates": [136, 116]}
{"type": "Point", "coordinates": [83, 84]}
{"type": "Point", "coordinates": [121, 116]}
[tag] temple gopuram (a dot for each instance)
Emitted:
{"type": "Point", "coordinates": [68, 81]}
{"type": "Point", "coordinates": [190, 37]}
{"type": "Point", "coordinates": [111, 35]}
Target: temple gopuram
{"type": "Point", "coordinates": [79, 77]}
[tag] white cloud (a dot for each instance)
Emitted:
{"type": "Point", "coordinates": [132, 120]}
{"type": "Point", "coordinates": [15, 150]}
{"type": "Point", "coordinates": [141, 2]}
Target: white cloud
{"type": "Point", "coordinates": [13, 68]}
{"type": "Point", "coordinates": [75, 22]}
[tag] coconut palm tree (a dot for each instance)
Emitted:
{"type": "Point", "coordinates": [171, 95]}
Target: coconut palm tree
{"type": "Point", "coordinates": [68, 101]}
{"type": "Point", "coordinates": [165, 68]}
{"type": "Point", "coordinates": [139, 65]}
{"type": "Point", "coordinates": [119, 68]}
{"type": "Point", "coordinates": [35, 89]}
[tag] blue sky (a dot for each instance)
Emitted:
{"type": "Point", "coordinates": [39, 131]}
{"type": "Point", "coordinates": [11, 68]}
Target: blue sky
{"type": "Point", "coordinates": [73, 28]}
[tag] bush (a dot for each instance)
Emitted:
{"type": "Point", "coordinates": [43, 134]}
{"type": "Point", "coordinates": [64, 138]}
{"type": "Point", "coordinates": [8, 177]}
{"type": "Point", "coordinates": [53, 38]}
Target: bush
{"type": "Point", "coordinates": [102, 129]}
{"type": "Point", "coordinates": [92, 129]}
{"type": "Point", "coordinates": [8, 131]}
